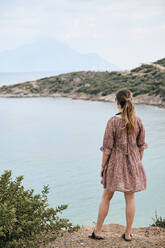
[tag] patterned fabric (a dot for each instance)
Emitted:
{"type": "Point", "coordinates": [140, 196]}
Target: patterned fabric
{"type": "Point", "coordinates": [123, 170]}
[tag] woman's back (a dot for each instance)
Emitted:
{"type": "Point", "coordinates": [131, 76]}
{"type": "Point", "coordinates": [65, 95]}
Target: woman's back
{"type": "Point", "coordinates": [126, 141]}
{"type": "Point", "coordinates": [116, 135]}
{"type": "Point", "coordinates": [124, 169]}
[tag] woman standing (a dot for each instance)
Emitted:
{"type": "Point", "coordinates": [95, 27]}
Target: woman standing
{"type": "Point", "coordinates": [122, 169]}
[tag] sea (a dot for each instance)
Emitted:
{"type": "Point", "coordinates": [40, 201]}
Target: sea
{"type": "Point", "coordinates": [56, 141]}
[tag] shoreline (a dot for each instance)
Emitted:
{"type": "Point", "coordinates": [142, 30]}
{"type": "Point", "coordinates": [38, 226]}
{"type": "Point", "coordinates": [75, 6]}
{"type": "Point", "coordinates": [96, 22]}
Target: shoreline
{"type": "Point", "coordinates": [140, 99]}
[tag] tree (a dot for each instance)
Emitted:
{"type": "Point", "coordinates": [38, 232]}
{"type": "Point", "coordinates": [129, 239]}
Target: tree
{"type": "Point", "coordinates": [25, 219]}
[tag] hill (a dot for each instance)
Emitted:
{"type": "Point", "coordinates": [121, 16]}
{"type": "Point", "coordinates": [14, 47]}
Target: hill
{"type": "Point", "coordinates": [147, 82]}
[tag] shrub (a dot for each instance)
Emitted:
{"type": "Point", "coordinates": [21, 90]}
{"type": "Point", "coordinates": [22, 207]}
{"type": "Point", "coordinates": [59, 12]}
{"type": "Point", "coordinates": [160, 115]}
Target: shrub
{"type": "Point", "coordinates": [158, 221]}
{"type": "Point", "coordinates": [92, 91]}
{"type": "Point", "coordinates": [67, 90]}
{"type": "Point", "coordinates": [160, 62]}
{"type": "Point", "coordinates": [25, 219]}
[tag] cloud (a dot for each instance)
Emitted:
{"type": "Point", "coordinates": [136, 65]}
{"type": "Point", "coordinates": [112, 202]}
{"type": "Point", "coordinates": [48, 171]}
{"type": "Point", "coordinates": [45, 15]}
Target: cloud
{"type": "Point", "coordinates": [114, 29]}
{"type": "Point", "coordinates": [141, 9]}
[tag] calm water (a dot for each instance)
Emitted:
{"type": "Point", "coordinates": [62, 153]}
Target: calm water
{"type": "Point", "coordinates": [56, 141]}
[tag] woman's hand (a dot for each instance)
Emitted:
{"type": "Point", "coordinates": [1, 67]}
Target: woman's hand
{"type": "Point", "coordinates": [104, 162]}
{"type": "Point", "coordinates": [101, 172]}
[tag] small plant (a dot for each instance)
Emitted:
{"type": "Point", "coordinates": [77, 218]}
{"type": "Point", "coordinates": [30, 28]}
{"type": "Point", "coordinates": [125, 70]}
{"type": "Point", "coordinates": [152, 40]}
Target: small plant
{"type": "Point", "coordinates": [25, 219]}
{"type": "Point", "coordinates": [158, 221]}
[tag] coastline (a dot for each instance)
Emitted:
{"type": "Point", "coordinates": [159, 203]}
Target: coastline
{"type": "Point", "coordinates": [146, 83]}
{"type": "Point", "coordinates": [140, 99]}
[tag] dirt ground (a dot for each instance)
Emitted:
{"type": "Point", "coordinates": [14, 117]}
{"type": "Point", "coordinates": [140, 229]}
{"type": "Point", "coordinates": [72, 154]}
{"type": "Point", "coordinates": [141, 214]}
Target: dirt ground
{"type": "Point", "coordinates": [143, 237]}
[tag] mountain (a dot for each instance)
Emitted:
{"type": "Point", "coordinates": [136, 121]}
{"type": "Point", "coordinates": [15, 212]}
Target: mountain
{"type": "Point", "coordinates": [50, 55]}
{"type": "Point", "coordinates": [146, 82]}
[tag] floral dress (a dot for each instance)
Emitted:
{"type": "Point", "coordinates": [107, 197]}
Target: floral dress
{"type": "Point", "coordinates": [123, 170]}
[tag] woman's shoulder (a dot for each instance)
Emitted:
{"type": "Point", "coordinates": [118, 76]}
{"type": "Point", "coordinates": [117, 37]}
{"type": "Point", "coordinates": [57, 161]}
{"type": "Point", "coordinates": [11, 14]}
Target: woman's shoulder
{"type": "Point", "coordinates": [113, 120]}
{"type": "Point", "coordinates": [139, 119]}
{"type": "Point", "coordinates": [110, 120]}
{"type": "Point", "coordinates": [119, 120]}
{"type": "Point", "coordinates": [116, 118]}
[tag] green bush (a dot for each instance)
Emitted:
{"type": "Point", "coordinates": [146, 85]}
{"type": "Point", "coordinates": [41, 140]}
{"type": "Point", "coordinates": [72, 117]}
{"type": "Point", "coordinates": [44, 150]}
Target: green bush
{"type": "Point", "coordinates": [25, 219]}
{"type": "Point", "coordinates": [158, 221]}
{"type": "Point", "coordinates": [92, 91]}
{"type": "Point", "coordinates": [160, 62]}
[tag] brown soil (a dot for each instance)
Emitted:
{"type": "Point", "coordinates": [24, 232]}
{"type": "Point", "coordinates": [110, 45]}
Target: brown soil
{"type": "Point", "coordinates": [143, 237]}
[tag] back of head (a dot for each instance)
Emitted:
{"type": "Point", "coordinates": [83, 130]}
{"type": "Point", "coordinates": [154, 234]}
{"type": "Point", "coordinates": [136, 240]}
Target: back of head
{"type": "Point", "coordinates": [124, 98]}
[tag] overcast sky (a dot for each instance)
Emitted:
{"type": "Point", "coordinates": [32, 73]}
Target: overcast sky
{"type": "Point", "coordinates": [124, 32]}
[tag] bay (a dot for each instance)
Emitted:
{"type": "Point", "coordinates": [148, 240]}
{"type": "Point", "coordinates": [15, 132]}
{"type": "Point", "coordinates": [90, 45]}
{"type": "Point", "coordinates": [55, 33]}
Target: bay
{"type": "Point", "coordinates": [56, 141]}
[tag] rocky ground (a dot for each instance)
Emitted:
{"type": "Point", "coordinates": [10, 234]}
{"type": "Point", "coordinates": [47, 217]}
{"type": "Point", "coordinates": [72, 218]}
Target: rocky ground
{"type": "Point", "coordinates": [143, 237]}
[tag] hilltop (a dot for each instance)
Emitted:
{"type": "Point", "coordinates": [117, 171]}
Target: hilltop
{"type": "Point", "coordinates": [147, 82]}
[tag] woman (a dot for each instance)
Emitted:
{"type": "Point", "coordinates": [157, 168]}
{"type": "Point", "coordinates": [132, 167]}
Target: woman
{"type": "Point", "coordinates": [122, 169]}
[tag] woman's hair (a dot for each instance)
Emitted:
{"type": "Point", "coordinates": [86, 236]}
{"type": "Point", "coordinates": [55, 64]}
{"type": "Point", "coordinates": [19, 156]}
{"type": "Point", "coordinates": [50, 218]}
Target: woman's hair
{"type": "Point", "coordinates": [124, 98]}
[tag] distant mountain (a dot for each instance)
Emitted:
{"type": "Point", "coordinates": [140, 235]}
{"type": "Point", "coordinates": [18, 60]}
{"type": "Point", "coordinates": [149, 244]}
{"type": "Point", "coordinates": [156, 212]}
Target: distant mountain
{"type": "Point", "coordinates": [51, 55]}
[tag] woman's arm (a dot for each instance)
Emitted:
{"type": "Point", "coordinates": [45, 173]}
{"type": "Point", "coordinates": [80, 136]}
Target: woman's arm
{"type": "Point", "coordinates": [104, 159]}
{"type": "Point", "coordinates": [108, 141]}
{"type": "Point", "coordinates": [141, 154]}
{"type": "Point", "coordinates": [141, 139]}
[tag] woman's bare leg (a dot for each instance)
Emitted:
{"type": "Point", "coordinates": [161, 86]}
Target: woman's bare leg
{"type": "Point", "coordinates": [103, 210]}
{"type": "Point", "coordinates": [130, 212]}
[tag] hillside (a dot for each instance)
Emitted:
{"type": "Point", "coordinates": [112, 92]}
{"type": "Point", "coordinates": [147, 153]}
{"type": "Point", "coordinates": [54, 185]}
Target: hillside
{"type": "Point", "coordinates": [147, 82]}
{"type": "Point", "coordinates": [160, 62]}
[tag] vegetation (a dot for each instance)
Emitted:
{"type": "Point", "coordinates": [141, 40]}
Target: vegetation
{"type": "Point", "coordinates": [145, 79]}
{"type": "Point", "coordinates": [160, 62]}
{"type": "Point", "coordinates": [158, 221]}
{"type": "Point", "coordinates": [25, 219]}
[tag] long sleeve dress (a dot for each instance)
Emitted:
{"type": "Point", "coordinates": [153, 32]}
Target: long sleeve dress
{"type": "Point", "coordinates": [123, 170]}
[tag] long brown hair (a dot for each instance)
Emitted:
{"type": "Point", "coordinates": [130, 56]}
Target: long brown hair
{"type": "Point", "coordinates": [124, 98]}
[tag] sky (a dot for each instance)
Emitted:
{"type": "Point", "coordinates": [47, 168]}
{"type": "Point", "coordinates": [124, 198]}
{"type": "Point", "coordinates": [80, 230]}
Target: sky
{"type": "Point", "coordinates": [124, 32]}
